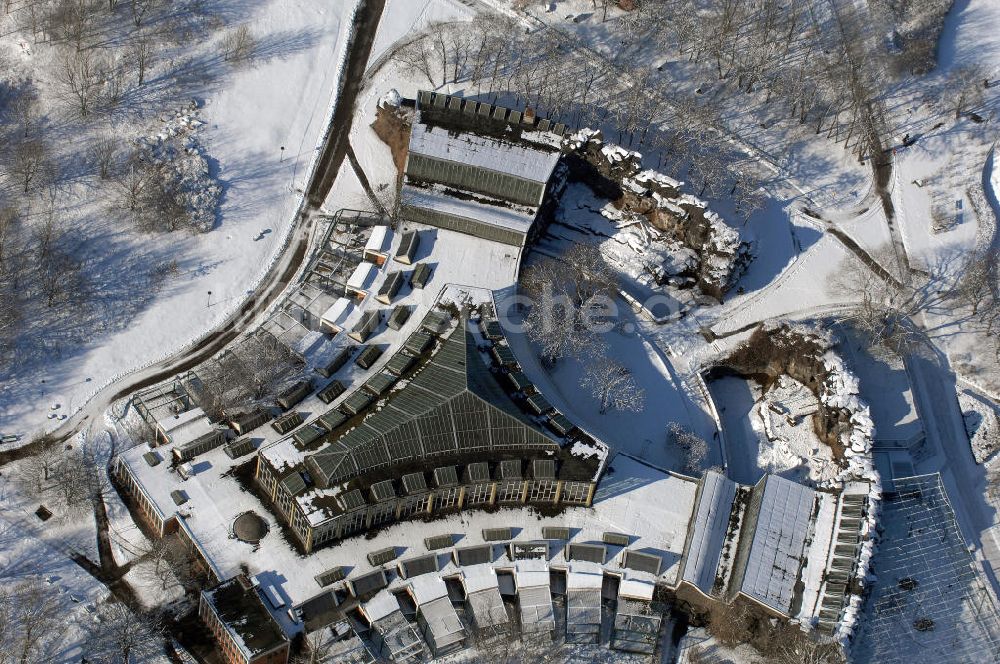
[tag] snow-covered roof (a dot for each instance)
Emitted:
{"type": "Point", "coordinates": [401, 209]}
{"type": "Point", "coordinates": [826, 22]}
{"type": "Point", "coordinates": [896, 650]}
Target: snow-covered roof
{"type": "Point", "coordinates": [427, 588]}
{"type": "Point", "coordinates": [476, 578]}
{"type": "Point", "coordinates": [384, 603]}
{"type": "Point", "coordinates": [637, 585]}
{"type": "Point", "coordinates": [215, 501]}
{"type": "Point", "coordinates": [708, 532]}
{"type": "Point", "coordinates": [528, 573]}
{"type": "Point", "coordinates": [339, 312]}
{"type": "Point", "coordinates": [362, 277]}
{"type": "Point", "coordinates": [494, 154]}
{"type": "Point", "coordinates": [379, 240]}
{"type": "Point", "coordinates": [187, 426]}
{"type": "Point", "coordinates": [776, 551]}
{"type": "Point", "coordinates": [584, 575]}
{"type": "Point", "coordinates": [516, 218]}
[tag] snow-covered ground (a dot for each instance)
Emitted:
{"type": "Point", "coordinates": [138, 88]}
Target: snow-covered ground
{"type": "Point", "coordinates": [281, 99]}
{"type": "Point", "coordinates": [771, 432]}
{"type": "Point", "coordinates": [27, 559]}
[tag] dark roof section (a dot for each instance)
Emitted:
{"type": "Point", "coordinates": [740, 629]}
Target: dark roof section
{"type": "Point", "coordinates": [420, 276]}
{"type": "Point", "coordinates": [331, 391]}
{"type": "Point", "coordinates": [452, 405]}
{"type": "Point", "coordinates": [445, 476]}
{"type": "Point", "coordinates": [243, 612]}
{"type": "Point", "coordinates": [414, 483]}
{"type": "Point", "coordinates": [477, 472]}
{"type": "Point", "coordinates": [400, 314]}
{"type": "Point", "coordinates": [368, 357]}
{"type": "Point", "coordinates": [390, 287]}
{"type": "Point", "coordinates": [399, 364]}
{"type": "Point", "coordinates": [474, 555]}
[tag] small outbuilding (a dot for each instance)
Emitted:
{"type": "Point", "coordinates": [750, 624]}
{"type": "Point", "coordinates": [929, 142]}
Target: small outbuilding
{"type": "Point", "coordinates": [407, 249]}
{"type": "Point", "coordinates": [366, 326]}
{"type": "Point", "coordinates": [335, 318]}
{"type": "Point", "coordinates": [420, 276]}
{"type": "Point", "coordinates": [438, 620]}
{"type": "Point", "coordinates": [377, 246]}
{"type": "Point", "coordinates": [390, 287]}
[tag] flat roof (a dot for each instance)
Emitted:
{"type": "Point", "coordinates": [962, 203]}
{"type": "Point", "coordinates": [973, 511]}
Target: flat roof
{"type": "Point", "coordinates": [383, 604]}
{"type": "Point", "coordinates": [379, 240]}
{"type": "Point", "coordinates": [339, 312]}
{"type": "Point", "coordinates": [583, 575]}
{"type": "Point", "coordinates": [528, 573]}
{"type": "Point", "coordinates": [427, 588]}
{"type": "Point", "coordinates": [476, 578]}
{"type": "Point", "coordinates": [637, 585]}
{"type": "Point", "coordinates": [187, 426]}
{"type": "Point", "coordinates": [245, 617]}
{"type": "Point", "coordinates": [528, 162]}
{"type": "Point", "coordinates": [363, 276]}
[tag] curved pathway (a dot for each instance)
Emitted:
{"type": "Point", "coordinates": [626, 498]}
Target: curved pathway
{"type": "Point", "coordinates": [283, 270]}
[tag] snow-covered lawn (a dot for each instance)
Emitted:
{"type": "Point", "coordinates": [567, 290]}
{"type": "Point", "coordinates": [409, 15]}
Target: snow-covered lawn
{"type": "Point", "coordinates": [281, 99]}
{"type": "Point", "coordinates": [642, 434]}
{"type": "Point", "coordinates": [24, 559]}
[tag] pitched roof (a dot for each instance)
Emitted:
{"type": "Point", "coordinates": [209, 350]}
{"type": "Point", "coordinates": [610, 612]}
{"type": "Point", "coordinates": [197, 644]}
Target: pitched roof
{"type": "Point", "coordinates": [452, 405]}
{"type": "Point", "coordinates": [775, 557]}
{"type": "Point", "coordinates": [524, 161]}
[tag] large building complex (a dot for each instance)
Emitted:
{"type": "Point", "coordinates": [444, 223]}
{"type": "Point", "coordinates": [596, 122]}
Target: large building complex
{"type": "Point", "coordinates": [371, 482]}
{"type": "Point", "coordinates": [478, 169]}
{"type": "Point", "coordinates": [452, 437]}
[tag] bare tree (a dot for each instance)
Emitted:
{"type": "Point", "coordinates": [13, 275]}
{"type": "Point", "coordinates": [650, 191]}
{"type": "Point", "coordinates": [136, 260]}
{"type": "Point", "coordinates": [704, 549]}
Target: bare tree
{"type": "Point", "coordinates": [591, 275]}
{"type": "Point", "coordinates": [79, 78]}
{"type": "Point", "coordinates": [124, 635]}
{"type": "Point", "coordinates": [884, 304]}
{"type": "Point", "coordinates": [965, 88]}
{"type": "Point", "coordinates": [613, 385]}
{"type": "Point", "coordinates": [82, 478]}
{"type": "Point", "coordinates": [141, 52]}
{"type": "Point", "coordinates": [138, 9]}
{"type": "Point", "coordinates": [238, 44]}
{"type": "Point", "coordinates": [695, 448]}
{"type": "Point", "coordinates": [417, 57]}
{"type": "Point", "coordinates": [28, 162]}
{"type": "Point", "coordinates": [25, 108]}
{"type": "Point", "coordinates": [553, 323]}
{"type": "Point", "coordinates": [730, 623]}
{"type": "Point", "coordinates": [103, 153]}
{"type": "Point", "coordinates": [114, 73]}
{"type": "Point", "coordinates": [38, 470]}
{"type": "Point", "coordinates": [10, 219]}
{"type": "Point", "coordinates": [33, 613]}
{"type": "Point", "coordinates": [979, 279]}
{"type": "Point", "coordinates": [802, 648]}
{"type": "Point", "coordinates": [132, 187]}
{"type": "Point", "coordinates": [71, 21]}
